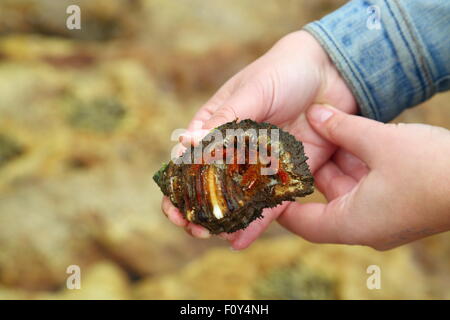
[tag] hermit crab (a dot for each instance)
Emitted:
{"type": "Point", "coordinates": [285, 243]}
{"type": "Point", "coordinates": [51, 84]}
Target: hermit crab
{"type": "Point", "coordinates": [225, 181]}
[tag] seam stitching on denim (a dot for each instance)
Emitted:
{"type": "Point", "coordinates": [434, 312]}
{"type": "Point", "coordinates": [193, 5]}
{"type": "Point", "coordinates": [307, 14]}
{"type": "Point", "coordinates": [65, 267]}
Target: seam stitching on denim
{"type": "Point", "coordinates": [416, 64]}
{"type": "Point", "coordinates": [429, 90]}
{"type": "Point", "coordinates": [340, 64]}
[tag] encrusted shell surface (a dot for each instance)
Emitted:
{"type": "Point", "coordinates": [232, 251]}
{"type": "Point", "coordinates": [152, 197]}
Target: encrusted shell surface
{"type": "Point", "coordinates": [228, 197]}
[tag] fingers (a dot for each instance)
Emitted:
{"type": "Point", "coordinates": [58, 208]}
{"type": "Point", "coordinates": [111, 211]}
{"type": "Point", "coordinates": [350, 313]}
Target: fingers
{"type": "Point", "coordinates": [360, 136]}
{"type": "Point", "coordinates": [175, 216]}
{"type": "Point", "coordinates": [238, 240]}
{"type": "Point", "coordinates": [173, 213]}
{"type": "Point", "coordinates": [312, 221]}
{"type": "Point", "coordinates": [316, 148]}
{"type": "Point", "coordinates": [208, 109]}
{"type": "Point", "coordinates": [243, 238]}
{"type": "Point", "coordinates": [350, 165]}
{"type": "Point", "coordinates": [246, 103]}
{"type": "Point", "coordinates": [317, 155]}
{"type": "Point", "coordinates": [194, 131]}
{"type": "Point", "coordinates": [197, 231]}
{"type": "Point", "coordinates": [201, 116]}
{"type": "Point", "coordinates": [332, 182]}
{"type": "Point", "coordinates": [194, 134]}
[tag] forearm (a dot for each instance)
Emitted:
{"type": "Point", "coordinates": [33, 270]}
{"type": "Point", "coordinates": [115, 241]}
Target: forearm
{"type": "Point", "coordinates": [398, 65]}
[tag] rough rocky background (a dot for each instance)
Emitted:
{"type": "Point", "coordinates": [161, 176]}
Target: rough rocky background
{"type": "Point", "coordinates": [85, 120]}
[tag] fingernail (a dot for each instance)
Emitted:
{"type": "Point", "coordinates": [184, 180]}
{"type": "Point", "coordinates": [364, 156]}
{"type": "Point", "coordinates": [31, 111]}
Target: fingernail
{"type": "Point", "coordinates": [222, 236]}
{"type": "Point", "coordinates": [188, 230]}
{"type": "Point", "coordinates": [175, 218]}
{"type": "Point", "coordinates": [320, 113]}
{"type": "Point", "coordinates": [197, 124]}
{"type": "Point", "coordinates": [203, 234]}
{"type": "Point", "coordinates": [200, 233]}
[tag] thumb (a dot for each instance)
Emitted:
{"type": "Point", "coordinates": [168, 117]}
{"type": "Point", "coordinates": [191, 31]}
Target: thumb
{"type": "Point", "coordinates": [360, 136]}
{"type": "Point", "coordinates": [245, 103]}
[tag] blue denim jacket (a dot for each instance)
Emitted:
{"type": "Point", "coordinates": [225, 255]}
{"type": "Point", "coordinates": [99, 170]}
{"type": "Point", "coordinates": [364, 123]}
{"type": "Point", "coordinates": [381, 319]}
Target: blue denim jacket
{"type": "Point", "coordinates": [393, 54]}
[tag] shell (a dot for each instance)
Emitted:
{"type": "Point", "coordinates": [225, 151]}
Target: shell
{"type": "Point", "coordinates": [228, 197]}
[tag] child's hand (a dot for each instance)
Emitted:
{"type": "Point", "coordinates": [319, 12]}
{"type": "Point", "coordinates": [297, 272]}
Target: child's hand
{"type": "Point", "coordinates": [277, 88]}
{"type": "Point", "coordinates": [402, 194]}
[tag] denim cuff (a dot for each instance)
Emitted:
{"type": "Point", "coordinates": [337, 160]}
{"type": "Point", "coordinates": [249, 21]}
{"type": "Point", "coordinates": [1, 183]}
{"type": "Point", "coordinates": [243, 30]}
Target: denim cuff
{"type": "Point", "coordinates": [391, 53]}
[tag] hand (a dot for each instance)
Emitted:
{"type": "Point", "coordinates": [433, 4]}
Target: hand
{"type": "Point", "coordinates": [388, 184]}
{"type": "Point", "coordinates": [277, 88]}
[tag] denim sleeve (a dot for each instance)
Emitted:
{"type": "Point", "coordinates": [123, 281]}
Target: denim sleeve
{"type": "Point", "coordinates": [393, 54]}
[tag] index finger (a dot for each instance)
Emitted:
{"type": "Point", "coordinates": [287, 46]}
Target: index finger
{"type": "Point", "coordinates": [172, 213]}
{"type": "Point", "coordinates": [207, 110]}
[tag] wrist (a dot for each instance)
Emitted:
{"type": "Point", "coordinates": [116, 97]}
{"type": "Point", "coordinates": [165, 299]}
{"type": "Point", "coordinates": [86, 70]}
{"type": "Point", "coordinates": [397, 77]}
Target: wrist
{"type": "Point", "coordinates": [310, 48]}
{"type": "Point", "coordinates": [333, 89]}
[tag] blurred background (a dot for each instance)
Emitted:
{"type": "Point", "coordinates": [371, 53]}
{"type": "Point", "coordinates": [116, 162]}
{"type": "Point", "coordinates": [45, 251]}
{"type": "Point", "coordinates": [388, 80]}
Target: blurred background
{"type": "Point", "coordinates": [85, 121]}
